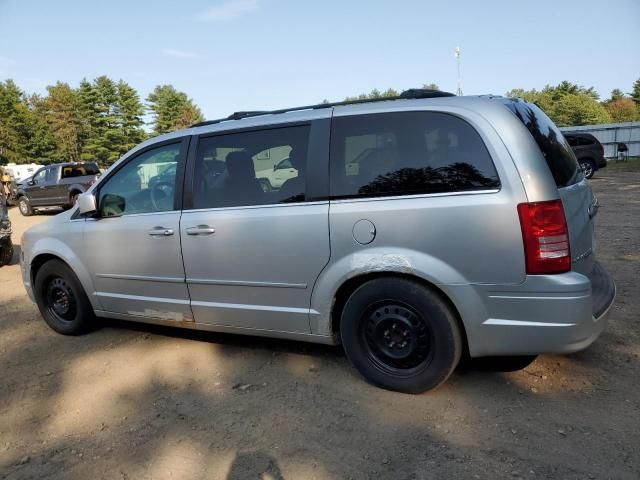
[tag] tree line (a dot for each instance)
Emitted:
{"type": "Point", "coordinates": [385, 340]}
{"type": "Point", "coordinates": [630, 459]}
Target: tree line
{"type": "Point", "coordinates": [567, 104]}
{"type": "Point", "coordinates": [98, 121]}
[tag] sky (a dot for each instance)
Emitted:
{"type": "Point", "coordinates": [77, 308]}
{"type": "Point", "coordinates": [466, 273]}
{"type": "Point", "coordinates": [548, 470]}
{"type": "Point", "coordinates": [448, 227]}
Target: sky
{"type": "Point", "coordinates": [233, 55]}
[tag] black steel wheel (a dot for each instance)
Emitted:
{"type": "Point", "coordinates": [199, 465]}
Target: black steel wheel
{"type": "Point", "coordinates": [62, 300]}
{"type": "Point", "coordinates": [397, 338]}
{"type": "Point", "coordinates": [400, 334]}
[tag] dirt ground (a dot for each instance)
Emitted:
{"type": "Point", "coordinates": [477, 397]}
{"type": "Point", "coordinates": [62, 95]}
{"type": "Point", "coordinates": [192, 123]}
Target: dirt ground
{"type": "Point", "coordinates": [136, 402]}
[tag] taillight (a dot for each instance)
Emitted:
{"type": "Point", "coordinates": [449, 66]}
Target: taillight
{"type": "Point", "coordinates": [545, 236]}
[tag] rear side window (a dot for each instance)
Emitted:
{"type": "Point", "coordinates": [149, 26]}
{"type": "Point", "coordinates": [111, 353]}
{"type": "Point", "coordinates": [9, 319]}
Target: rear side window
{"type": "Point", "coordinates": [407, 153]}
{"type": "Point", "coordinates": [80, 170]}
{"type": "Point", "coordinates": [556, 150]}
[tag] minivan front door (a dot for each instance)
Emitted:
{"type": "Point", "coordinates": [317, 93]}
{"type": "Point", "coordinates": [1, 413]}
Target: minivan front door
{"type": "Point", "coordinates": [133, 247]}
{"type": "Point", "coordinates": [252, 257]}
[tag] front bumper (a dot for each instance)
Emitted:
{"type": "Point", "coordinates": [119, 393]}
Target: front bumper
{"type": "Point", "coordinates": [546, 314]}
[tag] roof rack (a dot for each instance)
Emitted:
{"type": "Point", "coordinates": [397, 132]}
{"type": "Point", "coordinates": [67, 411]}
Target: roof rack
{"type": "Point", "coordinates": [412, 93]}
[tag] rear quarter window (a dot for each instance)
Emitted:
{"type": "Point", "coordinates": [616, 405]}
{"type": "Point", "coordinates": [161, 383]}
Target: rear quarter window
{"type": "Point", "coordinates": [554, 147]}
{"type": "Point", "coordinates": [404, 153]}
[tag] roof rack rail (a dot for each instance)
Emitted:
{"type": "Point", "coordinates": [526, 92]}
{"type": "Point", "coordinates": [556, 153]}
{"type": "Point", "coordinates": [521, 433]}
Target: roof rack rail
{"type": "Point", "coordinates": [412, 93]}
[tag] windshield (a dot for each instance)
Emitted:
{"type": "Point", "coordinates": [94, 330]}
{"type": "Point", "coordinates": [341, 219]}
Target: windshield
{"type": "Point", "coordinates": [557, 152]}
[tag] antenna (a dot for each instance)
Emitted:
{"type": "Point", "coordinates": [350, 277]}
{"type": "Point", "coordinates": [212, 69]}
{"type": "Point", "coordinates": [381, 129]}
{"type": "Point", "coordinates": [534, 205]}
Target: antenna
{"type": "Point", "coordinates": [457, 54]}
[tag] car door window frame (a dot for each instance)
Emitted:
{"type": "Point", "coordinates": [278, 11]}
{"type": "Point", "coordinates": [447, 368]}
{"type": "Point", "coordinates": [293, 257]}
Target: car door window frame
{"type": "Point", "coordinates": [317, 171]}
{"type": "Point", "coordinates": [184, 142]}
{"type": "Point", "coordinates": [44, 176]}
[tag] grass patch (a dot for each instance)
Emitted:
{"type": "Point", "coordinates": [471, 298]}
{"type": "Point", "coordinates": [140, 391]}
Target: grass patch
{"type": "Point", "coordinates": [630, 165]}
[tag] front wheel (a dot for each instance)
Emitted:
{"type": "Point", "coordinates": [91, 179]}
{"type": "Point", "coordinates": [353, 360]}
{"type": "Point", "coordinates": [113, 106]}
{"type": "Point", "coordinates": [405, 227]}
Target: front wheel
{"type": "Point", "coordinates": [62, 300]}
{"type": "Point", "coordinates": [400, 335]}
{"type": "Point", "coordinates": [588, 168]}
{"type": "Point", "coordinates": [25, 206]}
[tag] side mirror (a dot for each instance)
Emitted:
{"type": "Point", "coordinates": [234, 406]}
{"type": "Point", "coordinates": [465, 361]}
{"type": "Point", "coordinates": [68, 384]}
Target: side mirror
{"type": "Point", "coordinates": [87, 204]}
{"type": "Point", "coordinates": [31, 182]}
{"type": "Point", "coordinates": [275, 167]}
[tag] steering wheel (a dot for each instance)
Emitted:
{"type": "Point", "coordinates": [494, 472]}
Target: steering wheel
{"type": "Point", "coordinates": [161, 192]}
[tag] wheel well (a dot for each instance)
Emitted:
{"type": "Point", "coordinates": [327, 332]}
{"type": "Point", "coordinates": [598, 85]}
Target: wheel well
{"type": "Point", "coordinates": [39, 261]}
{"type": "Point", "coordinates": [351, 285]}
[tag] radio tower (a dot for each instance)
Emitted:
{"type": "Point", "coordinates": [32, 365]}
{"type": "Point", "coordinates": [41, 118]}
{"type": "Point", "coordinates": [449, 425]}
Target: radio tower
{"type": "Point", "coordinates": [459, 91]}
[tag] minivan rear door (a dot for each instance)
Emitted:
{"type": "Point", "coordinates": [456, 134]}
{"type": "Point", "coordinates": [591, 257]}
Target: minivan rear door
{"type": "Point", "coordinates": [580, 205]}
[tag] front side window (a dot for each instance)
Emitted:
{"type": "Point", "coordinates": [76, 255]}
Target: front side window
{"type": "Point", "coordinates": [39, 177]}
{"type": "Point", "coordinates": [251, 168]}
{"type": "Point", "coordinates": [407, 153]}
{"type": "Point", "coordinates": [146, 184]}
{"type": "Point", "coordinates": [51, 174]}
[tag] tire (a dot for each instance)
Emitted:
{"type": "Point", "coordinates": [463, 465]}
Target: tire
{"type": "Point", "coordinates": [265, 184]}
{"type": "Point", "coordinates": [502, 364]}
{"type": "Point", "coordinates": [61, 299]}
{"type": "Point", "coordinates": [400, 335]}
{"type": "Point", "coordinates": [588, 167]}
{"type": "Point", "coordinates": [73, 199]}
{"type": "Point", "coordinates": [6, 252]}
{"type": "Point", "coordinates": [25, 206]}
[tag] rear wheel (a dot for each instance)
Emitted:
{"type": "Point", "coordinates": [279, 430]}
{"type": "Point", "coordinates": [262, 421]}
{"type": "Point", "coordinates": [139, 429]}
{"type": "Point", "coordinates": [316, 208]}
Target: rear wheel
{"type": "Point", "coordinates": [62, 300]}
{"type": "Point", "coordinates": [400, 335]}
{"type": "Point", "coordinates": [25, 206]}
{"type": "Point", "coordinates": [588, 167]}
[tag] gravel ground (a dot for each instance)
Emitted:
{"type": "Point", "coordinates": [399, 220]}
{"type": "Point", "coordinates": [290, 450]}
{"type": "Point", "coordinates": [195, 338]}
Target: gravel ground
{"type": "Point", "coordinates": [134, 402]}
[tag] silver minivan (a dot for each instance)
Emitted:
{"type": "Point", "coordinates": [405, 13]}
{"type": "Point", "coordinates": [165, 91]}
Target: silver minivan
{"type": "Point", "coordinates": [411, 230]}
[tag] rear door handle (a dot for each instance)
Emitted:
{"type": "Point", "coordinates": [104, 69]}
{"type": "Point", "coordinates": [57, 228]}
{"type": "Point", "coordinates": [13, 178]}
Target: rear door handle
{"type": "Point", "coordinates": [161, 232]}
{"type": "Point", "coordinates": [201, 230]}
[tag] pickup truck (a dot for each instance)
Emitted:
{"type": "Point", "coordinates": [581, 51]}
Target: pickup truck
{"type": "Point", "coordinates": [56, 185]}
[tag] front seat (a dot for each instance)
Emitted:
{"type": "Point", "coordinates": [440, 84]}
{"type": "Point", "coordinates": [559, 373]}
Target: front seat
{"type": "Point", "coordinates": [241, 186]}
{"type": "Point", "coordinates": [293, 190]}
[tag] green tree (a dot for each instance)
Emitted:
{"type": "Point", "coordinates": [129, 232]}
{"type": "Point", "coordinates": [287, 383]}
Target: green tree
{"type": "Point", "coordinates": [111, 117]}
{"type": "Point", "coordinates": [62, 113]}
{"type": "Point", "coordinates": [616, 94]}
{"type": "Point", "coordinates": [129, 112]}
{"type": "Point", "coordinates": [14, 124]}
{"type": "Point", "coordinates": [171, 109]}
{"type": "Point", "coordinates": [566, 104]}
{"type": "Point", "coordinates": [635, 92]}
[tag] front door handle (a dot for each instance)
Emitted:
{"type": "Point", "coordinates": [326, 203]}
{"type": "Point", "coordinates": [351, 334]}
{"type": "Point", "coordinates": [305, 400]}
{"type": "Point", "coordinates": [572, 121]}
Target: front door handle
{"type": "Point", "coordinates": [201, 230]}
{"type": "Point", "coordinates": [160, 232]}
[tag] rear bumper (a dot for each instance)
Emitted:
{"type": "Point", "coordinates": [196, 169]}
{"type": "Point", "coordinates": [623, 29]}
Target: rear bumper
{"type": "Point", "coordinates": [545, 314]}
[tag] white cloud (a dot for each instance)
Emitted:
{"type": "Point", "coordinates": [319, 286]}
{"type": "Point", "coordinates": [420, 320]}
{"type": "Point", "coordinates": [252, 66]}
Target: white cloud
{"type": "Point", "coordinates": [173, 52]}
{"type": "Point", "coordinates": [228, 10]}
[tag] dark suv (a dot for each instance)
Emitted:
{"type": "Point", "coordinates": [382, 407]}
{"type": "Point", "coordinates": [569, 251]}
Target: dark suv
{"type": "Point", "coordinates": [588, 150]}
{"type": "Point", "coordinates": [56, 186]}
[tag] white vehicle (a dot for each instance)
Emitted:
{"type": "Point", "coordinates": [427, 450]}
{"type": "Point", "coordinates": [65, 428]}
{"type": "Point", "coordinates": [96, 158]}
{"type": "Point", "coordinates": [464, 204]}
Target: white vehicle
{"type": "Point", "coordinates": [20, 172]}
{"type": "Point", "coordinates": [273, 178]}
